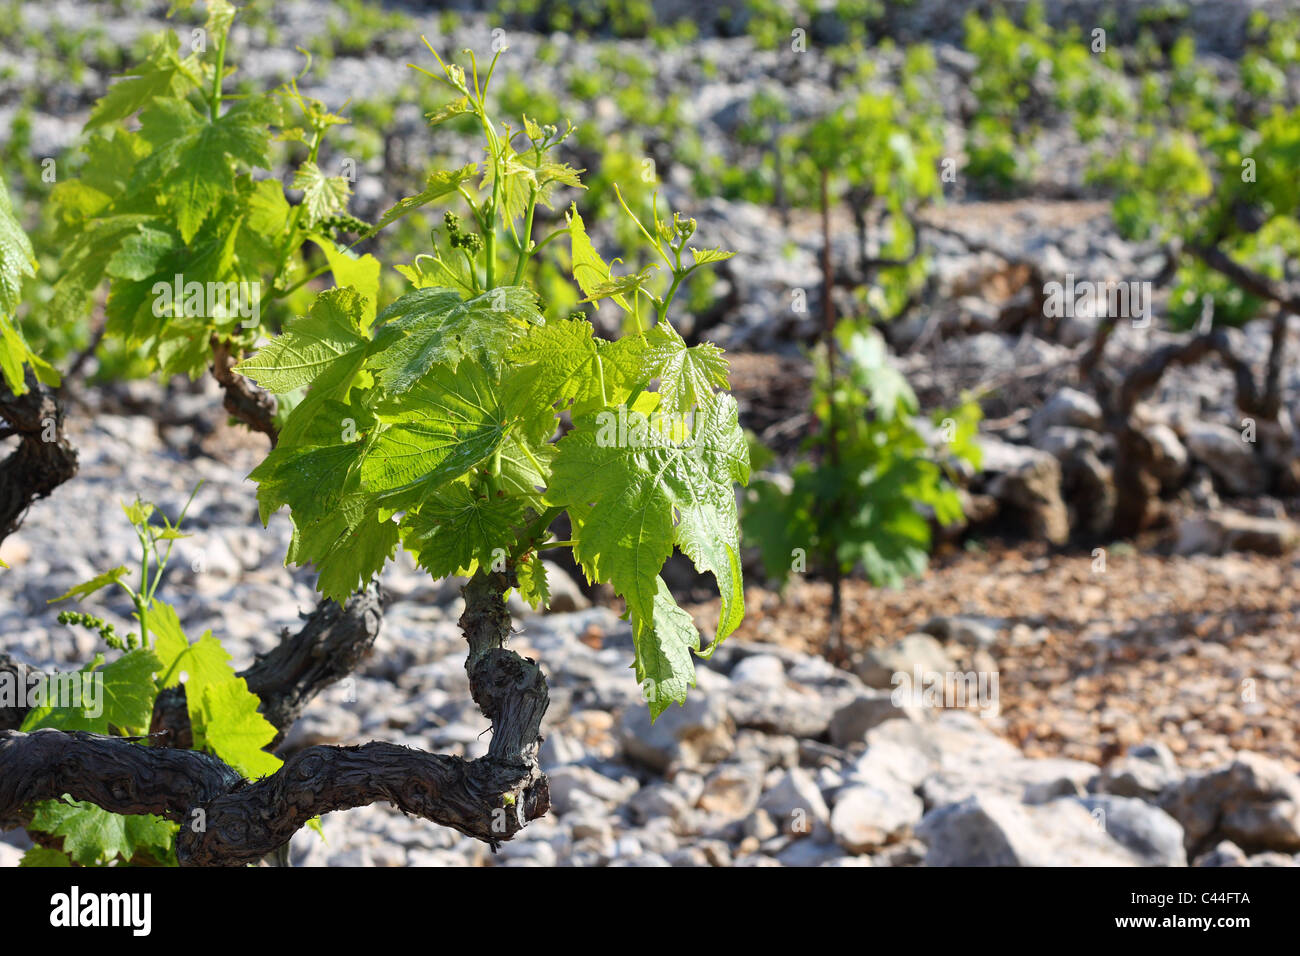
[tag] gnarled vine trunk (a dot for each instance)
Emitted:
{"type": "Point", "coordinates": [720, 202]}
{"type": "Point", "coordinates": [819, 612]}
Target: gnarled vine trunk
{"type": "Point", "coordinates": [229, 821]}
{"type": "Point", "coordinates": [44, 458]}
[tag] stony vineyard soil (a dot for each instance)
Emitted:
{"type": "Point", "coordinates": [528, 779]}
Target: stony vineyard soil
{"type": "Point", "coordinates": [1154, 651]}
{"type": "Point", "coordinates": [1162, 690]}
{"type": "Point", "coordinates": [1198, 652]}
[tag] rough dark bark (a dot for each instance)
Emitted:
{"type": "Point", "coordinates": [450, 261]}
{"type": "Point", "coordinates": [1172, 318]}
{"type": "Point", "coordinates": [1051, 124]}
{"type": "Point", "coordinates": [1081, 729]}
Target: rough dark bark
{"type": "Point", "coordinates": [110, 772]}
{"type": "Point", "coordinates": [228, 821]}
{"type": "Point", "coordinates": [509, 689]}
{"type": "Point", "coordinates": [249, 822]}
{"type": "Point", "coordinates": [328, 648]}
{"type": "Point", "coordinates": [1271, 400]}
{"type": "Point", "coordinates": [245, 402]}
{"type": "Point", "coordinates": [20, 676]}
{"type": "Point", "coordinates": [44, 458]}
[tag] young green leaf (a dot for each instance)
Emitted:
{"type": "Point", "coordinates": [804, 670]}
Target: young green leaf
{"type": "Point", "coordinates": [309, 345]}
{"type": "Point", "coordinates": [17, 260]}
{"type": "Point", "coordinates": [687, 376]}
{"type": "Point", "coordinates": [322, 196]}
{"type": "Point", "coordinates": [162, 74]}
{"type": "Point", "coordinates": [533, 586]}
{"type": "Point", "coordinates": [664, 639]}
{"type": "Point", "coordinates": [356, 272]}
{"type": "Point", "coordinates": [232, 728]}
{"type": "Point", "coordinates": [590, 271]}
{"type": "Point", "coordinates": [44, 856]}
{"type": "Point", "coordinates": [431, 328]}
{"type": "Point", "coordinates": [623, 479]}
{"type": "Point", "coordinates": [563, 362]}
{"type": "Point", "coordinates": [440, 184]}
{"type": "Point", "coordinates": [193, 159]}
{"type": "Point", "coordinates": [450, 421]}
{"type": "Point", "coordinates": [92, 836]}
{"type": "Point", "coordinates": [458, 530]}
{"type": "Point", "coordinates": [87, 588]}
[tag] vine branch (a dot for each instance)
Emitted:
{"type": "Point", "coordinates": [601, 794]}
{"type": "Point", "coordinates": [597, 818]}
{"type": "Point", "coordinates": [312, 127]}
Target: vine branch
{"type": "Point", "coordinates": [490, 798]}
{"type": "Point", "coordinates": [245, 401]}
{"type": "Point", "coordinates": [44, 458]}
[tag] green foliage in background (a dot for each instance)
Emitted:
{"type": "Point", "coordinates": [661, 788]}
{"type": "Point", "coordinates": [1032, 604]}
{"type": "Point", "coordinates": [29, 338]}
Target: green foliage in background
{"type": "Point", "coordinates": [167, 195]}
{"type": "Point", "coordinates": [863, 496]}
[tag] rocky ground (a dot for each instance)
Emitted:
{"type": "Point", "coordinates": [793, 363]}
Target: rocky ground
{"type": "Point", "coordinates": [1196, 652]}
{"type": "Point", "coordinates": [1119, 734]}
{"type": "Point", "coordinates": [1145, 706]}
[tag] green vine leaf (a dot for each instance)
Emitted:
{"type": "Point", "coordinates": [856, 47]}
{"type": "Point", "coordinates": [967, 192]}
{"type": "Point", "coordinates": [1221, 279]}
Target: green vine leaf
{"type": "Point", "coordinates": [590, 271]}
{"type": "Point", "coordinates": [623, 478]}
{"type": "Point", "coordinates": [93, 837]}
{"type": "Point", "coordinates": [435, 327]}
{"type": "Point", "coordinates": [450, 421]}
{"type": "Point", "coordinates": [687, 375]}
{"type": "Point", "coordinates": [228, 723]}
{"type": "Point", "coordinates": [192, 163]}
{"type": "Point", "coordinates": [458, 530]}
{"type": "Point", "coordinates": [322, 196]}
{"type": "Point", "coordinates": [440, 184]}
{"type": "Point", "coordinates": [87, 588]}
{"type": "Point", "coordinates": [310, 345]}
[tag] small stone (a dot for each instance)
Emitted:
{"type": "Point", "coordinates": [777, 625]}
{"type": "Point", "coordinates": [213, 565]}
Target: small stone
{"type": "Point", "coordinates": [763, 670]}
{"type": "Point", "coordinates": [388, 854]}
{"type": "Point", "coordinates": [688, 856]}
{"type": "Point", "coordinates": [849, 724]}
{"type": "Point", "coordinates": [354, 856]}
{"type": "Point", "coordinates": [1027, 483]}
{"type": "Point", "coordinates": [916, 652]}
{"type": "Point", "coordinates": [559, 749]}
{"type": "Point", "coordinates": [1228, 455]}
{"type": "Point", "coordinates": [577, 787]}
{"type": "Point", "coordinates": [989, 830]}
{"type": "Point", "coordinates": [566, 596]}
{"type": "Point", "coordinates": [323, 724]}
{"type": "Point", "coordinates": [697, 732]}
{"type": "Point", "coordinates": [868, 817]}
{"type": "Point", "coordinates": [1169, 456]}
{"type": "Point", "coordinates": [1136, 776]}
{"type": "Point", "coordinates": [808, 853]}
{"type": "Point", "coordinates": [759, 827]}
{"type": "Point", "coordinates": [1225, 854]}
{"type": "Point", "coordinates": [732, 790]}
{"type": "Point", "coordinates": [795, 803]}
{"type": "Point", "coordinates": [716, 852]}
{"type": "Point", "coordinates": [657, 801]}
{"type": "Point", "coordinates": [972, 632]}
{"type": "Point", "coordinates": [1224, 530]}
{"type": "Point", "coordinates": [592, 827]}
{"type": "Point", "coordinates": [1254, 802]}
{"type": "Point", "coordinates": [1147, 831]}
{"type": "Point", "coordinates": [1067, 408]}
